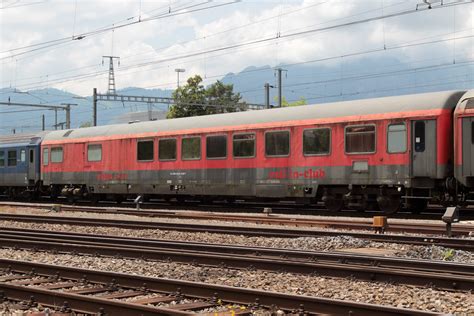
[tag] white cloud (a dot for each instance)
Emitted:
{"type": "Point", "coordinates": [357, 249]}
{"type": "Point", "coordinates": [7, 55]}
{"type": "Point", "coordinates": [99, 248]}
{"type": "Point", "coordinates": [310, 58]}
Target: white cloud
{"type": "Point", "coordinates": [144, 42]}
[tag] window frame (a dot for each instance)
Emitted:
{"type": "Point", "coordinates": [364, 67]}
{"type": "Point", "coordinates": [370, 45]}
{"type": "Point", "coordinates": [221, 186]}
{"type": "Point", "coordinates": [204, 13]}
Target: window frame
{"type": "Point", "coordinates": [101, 152]}
{"type": "Point", "coordinates": [2, 159]}
{"type": "Point", "coordinates": [23, 155]}
{"type": "Point", "coordinates": [31, 156]}
{"type": "Point", "coordinates": [142, 140]}
{"type": "Point", "coordinates": [200, 148]}
{"type": "Point", "coordinates": [406, 137]}
{"type": "Point", "coordinates": [176, 148]}
{"type": "Point", "coordinates": [472, 132]}
{"type": "Point", "coordinates": [45, 162]}
{"type": "Point", "coordinates": [254, 145]}
{"type": "Point", "coordinates": [51, 154]}
{"type": "Point", "coordinates": [265, 143]}
{"type": "Point", "coordinates": [330, 142]}
{"type": "Point", "coordinates": [414, 136]}
{"type": "Point", "coordinates": [226, 147]}
{"type": "Point", "coordinates": [363, 152]}
{"type": "Point", "coordinates": [8, 158]}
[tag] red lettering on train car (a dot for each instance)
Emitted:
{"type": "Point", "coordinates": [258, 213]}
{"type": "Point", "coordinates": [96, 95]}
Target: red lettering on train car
{"type": "Point", "coordinates": [294, 174]}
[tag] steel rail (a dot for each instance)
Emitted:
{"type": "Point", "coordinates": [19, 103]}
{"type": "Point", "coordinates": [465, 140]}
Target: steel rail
{"type": "Point", "coordinates": [303, 304]}
{"type": "Point", "coordinates": [443, 280]}
{"type": "Point", "coordinates": [426, 228]}
{"type": "Point", "coordinates": [335, 256]}
{"type": "Point", "coordinates": [217, 210]}
{"type": "Point", "coordinates": [454, 243]}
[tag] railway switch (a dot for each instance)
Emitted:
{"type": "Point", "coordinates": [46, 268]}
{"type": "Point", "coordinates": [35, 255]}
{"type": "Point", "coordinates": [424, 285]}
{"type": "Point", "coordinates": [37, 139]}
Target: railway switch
{"type": "Point", "coordinates": [380, 224]}
{"type": "Point", "coordinates": [450, 216]}
{"type": "Point", "coordinates": [138, 201]}
{"type": "Point", "coordinates": [267, 211]}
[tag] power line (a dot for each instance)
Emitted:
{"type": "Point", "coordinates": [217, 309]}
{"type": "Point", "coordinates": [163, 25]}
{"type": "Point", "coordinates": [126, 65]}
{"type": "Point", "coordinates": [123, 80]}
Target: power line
{"type": "Point", "coordinates": [81, 36]}
{"type": "Point", "coordinates": [207, 36]}
{"type": "Point", "coordinates": [77, 78]}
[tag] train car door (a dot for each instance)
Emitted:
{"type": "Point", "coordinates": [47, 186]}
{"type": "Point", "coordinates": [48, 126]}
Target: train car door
{"type": "Point", "coordinates": [31, 153]}
{"type": "Point", "coordinates": [468, 146]}
{"type": "Point", "coordinates": [424, 148]}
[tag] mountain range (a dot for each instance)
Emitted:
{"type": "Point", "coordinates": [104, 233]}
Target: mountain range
{"type": "Point", "coordinates": [315, 83]}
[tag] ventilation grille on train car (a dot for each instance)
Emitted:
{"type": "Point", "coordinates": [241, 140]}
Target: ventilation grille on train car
{"type": "Point", "coordinates": [35, 140]}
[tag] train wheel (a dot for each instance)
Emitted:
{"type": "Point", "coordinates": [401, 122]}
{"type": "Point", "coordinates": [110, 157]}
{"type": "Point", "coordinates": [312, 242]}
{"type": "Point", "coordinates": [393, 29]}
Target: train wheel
{"type": "Point", "coordinates": [95, 198]}
{"type": "Point", "coordinates": [416, 206]}
{"type": "Point", "coordinates": [334, 203]}
{"type": "Point", "coordinates": [71, 199]}
{"type": "Point", "coordinates": [389, 204]}
{"type": "Point", "coordinates": [119, 199]}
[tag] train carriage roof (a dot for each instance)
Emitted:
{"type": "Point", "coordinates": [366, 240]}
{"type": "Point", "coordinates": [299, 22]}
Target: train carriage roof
{"type": "Point", "coordinates": [406, 103]}
{"type": "Point", "coordinates": [21, 140]}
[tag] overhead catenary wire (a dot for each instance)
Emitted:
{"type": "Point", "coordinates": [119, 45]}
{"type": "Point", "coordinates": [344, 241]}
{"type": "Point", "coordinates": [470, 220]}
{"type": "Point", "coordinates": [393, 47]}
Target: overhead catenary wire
{"type": "Point", "coordinates": [81, 36]}
{"type": "Point", "coordinates": [77, 78]}
{"type": "Point", "coordinates": [311, 61]}
{"type": "Point", "coordinates": [289, 12]}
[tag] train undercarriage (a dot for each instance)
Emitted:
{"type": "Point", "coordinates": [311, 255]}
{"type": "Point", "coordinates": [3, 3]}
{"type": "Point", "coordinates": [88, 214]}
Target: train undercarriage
{"type": "Point", "coordinates": [384, 199]}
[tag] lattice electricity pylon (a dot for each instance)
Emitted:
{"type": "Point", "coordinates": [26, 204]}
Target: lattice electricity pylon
{"type": "Point", "coordinates": [111, 85]}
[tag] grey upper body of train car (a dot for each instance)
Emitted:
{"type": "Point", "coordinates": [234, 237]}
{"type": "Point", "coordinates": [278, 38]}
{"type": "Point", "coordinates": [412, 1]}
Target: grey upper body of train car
{"type": "Point", "coordinates": [20, 160]}
{"type": "Point", "coordinates": [257, 182]}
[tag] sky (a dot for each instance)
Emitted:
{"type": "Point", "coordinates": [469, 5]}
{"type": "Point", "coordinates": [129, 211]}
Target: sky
{"type": "Point", "coordinates": [60, 43]}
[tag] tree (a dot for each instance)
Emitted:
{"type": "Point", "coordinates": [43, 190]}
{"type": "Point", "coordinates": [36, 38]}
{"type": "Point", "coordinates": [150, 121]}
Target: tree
{"type": "Point", "coordinates": [193, 99]}
{"type": "Point", "coordinates": [85, 124]}
{"type": "Point", "coordinates": [285, 103]}
{"type": "Point", "coordinates": [188, 99]}
{"type": "Point", "coordinates": [223, 96]}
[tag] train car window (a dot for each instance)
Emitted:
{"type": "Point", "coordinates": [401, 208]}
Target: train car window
{"type": "Point", "coordinates": [57, 154]}
{"type": "Point", "coordinates": [191, 148]}
{"type": "Point", "coordinates": [420, 136]}
{"type": "Point", "coordinates": [397, 138]}
{"type": "Point", "coordinates": [11, 158]}
{"type": "Point", "coordinates": [145, 150]}
{"type": "Point", "coordinates": [2, 159]}
{"type": "Point", "coordinates": [216, 147]}
{"type": "Point", "coordinates": [32, 156]}
{"type": "Point", "coordinates": [94, 152]}
{"type": "Point", "coordinates": [277, 143]}
{"type": "Point", "coordinates": [167, 149]}
{"type": "Point", "coordinates": [316, 141]}
{"type": "Point", "coordinates": [22, 155]}
{"type": "Point", "coordinates": [360, 139]}
{"type": "Point", "coordinates": [45, 156]}
{"type": "Point", "coordinates": [244, 145]}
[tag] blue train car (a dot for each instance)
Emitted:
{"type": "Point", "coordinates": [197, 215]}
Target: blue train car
{"type": "Point", "coordinates": [20, 164]}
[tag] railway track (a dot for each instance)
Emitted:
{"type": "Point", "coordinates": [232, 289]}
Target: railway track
{"type": "Point", "coordinates": [278, 220]}
{"type": "Point", "coordinates": [434, 212]}
{"type": "Point", "coordinates": [283, 232]}
{"type": "Point", "coordinates": [442, 275]}
{"type": "Point", "coordinates": [107, 293]}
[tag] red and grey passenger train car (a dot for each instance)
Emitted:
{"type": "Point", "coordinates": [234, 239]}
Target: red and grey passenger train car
{"type": "Point", "coordinates": [366, 153]}
{"type": "Point", "coordinates": [464, 140]}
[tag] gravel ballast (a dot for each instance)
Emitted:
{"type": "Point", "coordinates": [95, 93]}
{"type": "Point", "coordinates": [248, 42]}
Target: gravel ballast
{"type": "Point", "coordinates": [327, 243]}
{"type": "Point", "coordinates": [313, 285]}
